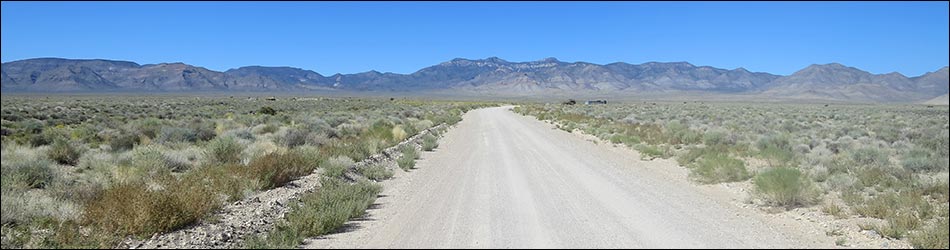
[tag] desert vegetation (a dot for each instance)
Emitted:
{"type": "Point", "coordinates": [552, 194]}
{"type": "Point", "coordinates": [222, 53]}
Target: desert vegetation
{"type": "Point", "coordinates": [89, 171]}
{"type": "Point", "coordinates": [885, 163]}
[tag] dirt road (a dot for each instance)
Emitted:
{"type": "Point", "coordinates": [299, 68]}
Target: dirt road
{"type": "Point", "coordinates": [501, 180]}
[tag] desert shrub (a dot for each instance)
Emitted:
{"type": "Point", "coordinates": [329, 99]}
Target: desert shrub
{"type": "Point", "coordinates": [835, 210]}
{"type": "Point", "coordinates": [267, 111]}
{"type": "Point", "coordinates": [376, 172]}
{"type": "Point", "coordinates": [891, 204]}
{"type": "Point", "coordinates": [625, 139]}
{"type": "Point", "coordinates": [381, 129]}
{"type": "Point", "coordinates": [776, 149]}
{"type": "Point", "coordinates": [24, 168]}
{"type": "Point", "coordinates": [872, 157]}
{"type": "Point", "coordinates": [921, 160]}
{"type": "Point", "coordinates": [399, 133]}
{"type": "Point", "coordinates": [716, 138]}
{"type": "Point", "coordinates": [429, 142]}
{"type": "Point", "coordinates": [64, 152]}
{"type": "Point", "coordinates": [935, 236]}
{"type": "Point", "coordinates": [408, 159]}
{"type": "Point", "coordinates": [692, 154]}
{"type": "Point", "coordinates": [225, 150]}
{"type": "Point", "coordinates": [719, 168]}
{"type": "Point", "coordinates": [422, 125]}
{"type": "Point", "coordinates": [276, 169]}
{"type": "Point", "coordinates": [133, 209]}
{"type": "Point", "coordinates": [650, 152]}
{"type": "Point", "coordinates": [25, 206]}
{"type": "Point", "coordinates": [319, 213]}
{"type": "Point", "coordinates": [123, 142]}
{"type": "Point", "coordinates": [840, 182]}
{"type": "Point", "coordinates": [336, 166]}
{"type": "Point", "coordinates": [294, 138]}
{"type": "Point", "coordinates": [233, 181]}
{"type": "Point", "coordinates": [152, 160]}
{"type": "Point", "coordinates": [784, 186]}
{"type": "Point", "coordinates": [203, 131]}
{"type": "Point", "coordinates": [175, 134]}
{"type": "Point", "coordinates": [267, 129]}
{"type": "Point", "coordinates": [149, 127]}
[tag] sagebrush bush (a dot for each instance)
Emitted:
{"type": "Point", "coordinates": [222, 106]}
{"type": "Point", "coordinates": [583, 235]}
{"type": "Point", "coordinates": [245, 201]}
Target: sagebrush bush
{"type": "Point", "coordinates": [24, 168]}
{"type": "Point", "coordinates": [650, 152]}
{"type": "Point", "coordinates": [921, 160]}
{"type": "Point", "coordinates": [399, 133]}
{"type": "Point", "coordinates": [319, 213]}
{"type": "Point", "coordinates": [64, 152]}
{"type": "Point", "coordinates": [717, 138]}
{"type": "Point", "coordinates": [133, 209]}
{"type": "Point", "coordinates": [891, 204]}
{"type": "Point", "coordinates": [429, 142]}
{"type": "Point", "coordinates": [23, 207]}
{"type": "Point", "coordinates": [335, 167]}
{"type": "Point", "coordinates": [232, 181]}
{"type": "Point", "coordinates": [870, 157]}
{"type": "Point", "coordinates": [408, 158]}
{"type": "Point", "coordinates": [225, 150]}
{"type": "Point", "coordinates": [935, 236]}
{"type": "Point", "coordinates": [784, 186]}
{"type": "Point", "coordinates": [719, 168]}
{"type": "Point", "coordinates": [123, 142]}
{"type": "Point", "coordinates": [295, 137]}
{"type": "Point", "coordinates": [375, 171]}
{"type": "Point", "coordinates": [276, 169]}
{"type": "Point", "coordinates": [176, 135]}
{"type": "Point", "coordinates": [266, 110]}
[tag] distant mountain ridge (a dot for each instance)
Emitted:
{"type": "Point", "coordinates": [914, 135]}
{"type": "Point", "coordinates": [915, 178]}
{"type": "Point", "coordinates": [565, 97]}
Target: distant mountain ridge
{"type": "Point", "coordinates": [485, 76]}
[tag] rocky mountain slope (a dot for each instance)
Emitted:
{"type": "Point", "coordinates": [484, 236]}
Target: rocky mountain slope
{"type": "Point", "coordinates": [486, 76]}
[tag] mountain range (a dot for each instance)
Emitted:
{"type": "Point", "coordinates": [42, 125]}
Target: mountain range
{"type": "Point", "coordinates": [490, 76]}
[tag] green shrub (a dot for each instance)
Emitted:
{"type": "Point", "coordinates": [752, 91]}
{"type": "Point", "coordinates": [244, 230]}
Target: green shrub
{"type": "Point", "coordinates": [376, 172]}
{"type": "Point", "coordinates": [891, 204]}
{"type": "Point", "coordinates": [294, 138]}
{"type": "Point", "coordinates": [649, 152]}
{"type": "Point", "coordinates": [871, 157]}
{"type": "Point", "coordinates": [27, 172]}
{"type": "Point", "coordinates": [276, 169]}
{"type": "Point", "coordinates": [176, 135]}
{"type": "Point", "coordinates": [835, 210]}
{"type": "Point", "coordinates": [335, 167]}
{"type": "Point", "coordinates": [429, 142]}
{"type": "Point", "coordinates": [319, 213]}
{"type": "Point", "coordinates": [408, 159]}
{"type": "Point", "coordinates": [898, 225]}
{"type": "Point", "coordinates": [267, 111]}
{"type": "Point", "coordinates": [234, 182]}
{"type": "Point", "coordinates": [149, 127]}
{"type": "Point", "coordinates": [776, 150]}
{"type": "Point", "coordinates": [921, 160]}
{"type": "Point", "coordinates": [717, 138]}
{"type": "Point", "coordinates": [123, 142]}
{"type": "Point", "coordinates": [786, 187]}
{"type": "Point", "coordinates": [625, 139]}
{"type": "Point", "coordinates": [719, 168]}
{"type": "Point", "coordinates": [932, 237]}
{"type": "Point", "coordinates": [693, 154]}
{"type": "Point", "coordinates": [133, 209]}
{"type": "Point", "coordinates": [225, 150]}
{"type": "Point", "coordinates": [64, 152]}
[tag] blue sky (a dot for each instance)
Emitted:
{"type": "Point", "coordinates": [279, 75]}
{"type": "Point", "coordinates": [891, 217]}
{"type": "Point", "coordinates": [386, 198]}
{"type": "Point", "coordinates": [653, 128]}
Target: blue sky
{"type": "Point", "coordinates": [349, 37]}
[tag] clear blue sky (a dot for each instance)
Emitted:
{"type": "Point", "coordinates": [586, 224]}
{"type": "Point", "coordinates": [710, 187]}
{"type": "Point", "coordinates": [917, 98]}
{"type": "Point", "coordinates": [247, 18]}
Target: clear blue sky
{"type": "Point", "coordinates": [349, 37]}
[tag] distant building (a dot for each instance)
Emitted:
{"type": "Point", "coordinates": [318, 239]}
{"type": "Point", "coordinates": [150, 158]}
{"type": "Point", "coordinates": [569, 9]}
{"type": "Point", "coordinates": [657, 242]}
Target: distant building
{"type": "Point", "coordinates": [591, 102]}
